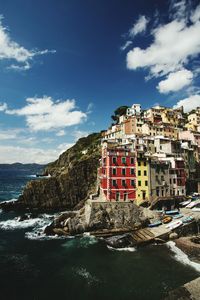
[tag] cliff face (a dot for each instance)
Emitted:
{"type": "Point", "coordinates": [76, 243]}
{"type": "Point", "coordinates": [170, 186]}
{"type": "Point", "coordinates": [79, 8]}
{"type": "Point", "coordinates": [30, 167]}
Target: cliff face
{"type": "Point", "coordinates": [73, 178]}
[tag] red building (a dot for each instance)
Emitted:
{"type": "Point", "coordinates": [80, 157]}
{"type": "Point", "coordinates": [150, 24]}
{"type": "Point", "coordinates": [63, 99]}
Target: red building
{"type": "Point", "coordinates": [117, 174]}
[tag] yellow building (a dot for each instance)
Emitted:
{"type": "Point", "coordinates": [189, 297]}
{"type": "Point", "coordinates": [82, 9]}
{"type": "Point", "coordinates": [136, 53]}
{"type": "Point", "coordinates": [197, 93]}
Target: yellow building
{"type": "Point", "coordinates": [142, 190]}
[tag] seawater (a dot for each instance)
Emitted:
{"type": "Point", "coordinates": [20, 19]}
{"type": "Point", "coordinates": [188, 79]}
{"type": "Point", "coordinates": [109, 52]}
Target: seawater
{"type": "Point", "coordinates": [34, 266]}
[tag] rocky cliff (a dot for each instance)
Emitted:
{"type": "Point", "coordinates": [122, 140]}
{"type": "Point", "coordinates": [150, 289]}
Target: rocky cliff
{"type": "Point", "coordinates": [73, 178]}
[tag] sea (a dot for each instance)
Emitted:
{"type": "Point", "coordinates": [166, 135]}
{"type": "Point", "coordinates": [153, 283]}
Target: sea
{"type": "Point", "coordinates": [36, 267]}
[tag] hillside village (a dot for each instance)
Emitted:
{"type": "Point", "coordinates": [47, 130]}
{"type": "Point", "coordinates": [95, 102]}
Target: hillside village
{"type": "Point", "coordinates": [151, 156]}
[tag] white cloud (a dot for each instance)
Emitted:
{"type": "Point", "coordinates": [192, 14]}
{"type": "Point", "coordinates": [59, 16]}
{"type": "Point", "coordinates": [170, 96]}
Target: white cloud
{"type": "Point", "coordinates": [79, 134]}
{"type": "Point", "coordinates": [46, 114]}
{"type": "Point", "coordinates": [11, 50]}
{"type": "Point", "coordinates": [126, 45]}
{"type": "Point", "coordinates": [60, 133]}
{"type": "Point", "coordinates": [189, 103]}
{"type": "Point", "coordinates": [195, 17]}
{"type": "Point", "coordinates": [174, 45]}
{"type": "Point", "coordinates": [11, 154]}
{"type": "Point", "coordinates": [3, 106]}
{"type": "Point", "coordinates": [139, 26]}
{"type": "Point", "coordinates": [175, 81]}
{"type": "Point", "coordinates": [63, 147]}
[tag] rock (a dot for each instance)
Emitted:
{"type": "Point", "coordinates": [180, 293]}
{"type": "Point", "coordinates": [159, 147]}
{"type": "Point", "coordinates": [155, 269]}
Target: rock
{"type": "Point", "coordinates": [102, 215]}
{"type": "Point", "coordinates": [173, 236]}
{"type": "Point", "coordinates": [49, 229]}
{"type": "Point", "coordinates": [120, 241]}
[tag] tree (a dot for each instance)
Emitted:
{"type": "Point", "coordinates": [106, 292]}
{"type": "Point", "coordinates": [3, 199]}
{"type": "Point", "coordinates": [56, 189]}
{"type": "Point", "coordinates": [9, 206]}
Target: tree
{"type": "Point", "coordinates": [120, 111]}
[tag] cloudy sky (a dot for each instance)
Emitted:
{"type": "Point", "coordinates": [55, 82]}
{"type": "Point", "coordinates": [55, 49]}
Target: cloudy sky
{"type": "Point", "coordinates": [65, 65]}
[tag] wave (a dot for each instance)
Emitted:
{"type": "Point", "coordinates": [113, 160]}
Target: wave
{"type": "Point", "coordinates": [82, 272]}
{"type": "Point", "coordinates": [182, 257]}
{"type": "Point", "coordinates": [129, 249]}
{"type": "Point", "coordinates": [81, 242]}
{"type": "Point", "coordinates": [16, 224]}
{"type": "Point", "coordinates": [11, 200]}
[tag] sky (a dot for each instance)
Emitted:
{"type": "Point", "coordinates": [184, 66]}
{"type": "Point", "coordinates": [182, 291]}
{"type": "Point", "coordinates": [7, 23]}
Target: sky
{"type": "Point", "coordinates": [66, 65]}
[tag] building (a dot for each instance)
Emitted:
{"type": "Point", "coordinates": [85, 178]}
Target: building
{"type": "Point", "coordinates": [117, 173]}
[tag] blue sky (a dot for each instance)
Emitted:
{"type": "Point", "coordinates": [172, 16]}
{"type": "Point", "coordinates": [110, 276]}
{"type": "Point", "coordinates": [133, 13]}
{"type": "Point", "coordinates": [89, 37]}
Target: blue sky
{"type": "Point", "coordinates": [66, 65]}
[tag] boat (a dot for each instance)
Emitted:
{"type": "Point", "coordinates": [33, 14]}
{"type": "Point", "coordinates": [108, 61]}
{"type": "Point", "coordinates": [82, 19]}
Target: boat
{"type": "Point", "coordinates": [166, 219]}
{"type": "Point", "coordinates": [172, 212]}
{"type": "Point", "coordinates": [174, 224]}
{"type": "Point", "coordinates": [187, 219]}
{"type": "Point", "coordinates": [178, 216]}
{"type": "Point", "coordinates": [155, 224]}
{"type": "Point", "coordinates": [193, 204]}
{"type": "Point", "coordinates": [197, 209]}
{"type": "Point", "coordinates": [184, 203]}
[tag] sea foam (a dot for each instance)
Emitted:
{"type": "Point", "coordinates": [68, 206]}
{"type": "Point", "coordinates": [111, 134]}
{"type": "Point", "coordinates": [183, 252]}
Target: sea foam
{"type": "Point", "coordinates": [182, 257]}
{"type": "Point", "coordinates": [129, 249]}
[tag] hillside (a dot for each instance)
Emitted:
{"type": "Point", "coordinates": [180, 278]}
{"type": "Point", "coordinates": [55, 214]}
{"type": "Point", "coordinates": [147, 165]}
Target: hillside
{"type": "Point", "coordinates": [73, 178]}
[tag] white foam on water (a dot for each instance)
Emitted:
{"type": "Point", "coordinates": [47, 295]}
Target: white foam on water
{"type": "Point", "coordinates": [82, 272]}
{"type": "Point", "coordinates": [16, 224]}
{"type": "Point", "coordinates": [11, 200]}
{"type": "Point", "coordinates": [129, 249]}
{"type": "Point", "coordinates": [182, 257]}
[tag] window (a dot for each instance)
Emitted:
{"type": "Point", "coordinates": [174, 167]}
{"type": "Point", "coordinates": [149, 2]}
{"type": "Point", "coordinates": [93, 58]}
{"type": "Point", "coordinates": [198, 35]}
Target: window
{"type": "Point", "coordinates": [146, 183]}
{"type": "Point", "coordinates": [132, 171]}
{"type": "Point", "coordinates": [162, 178]}
{"type": "Point", "coordinates": [114, 171]}
{"type": "Point", "coordinates": [139, 163]}
{"type": "Point", "coordinates": [145, 163]}
{"type": "Point", "coordinates": [114, 182]}
{"type": "Point", "coordinates": [132, 182]}
{"type": "Point", "coordinates": [160, 147]}
{"type": "Point", "coordinates": [174, 180]}
{"type": "Point", "coordinates": [123, 182]}
{"type": "Point", "coordinates": [139, 182]}
{"type": "Point", "coordinates": [145, 173]}
{"type": "Point", "coordinates": [132, 160]}
{"type": "Point", "coordinates": [123, 172]}
{"type": "Point", "coordinates": [139, 173]}
{"type": "Point", "coordinates": [123, 160]}
{"type": "Point", "coordinates": [114, 160]}
{"type": "Point", "coordinates": [157, 192]}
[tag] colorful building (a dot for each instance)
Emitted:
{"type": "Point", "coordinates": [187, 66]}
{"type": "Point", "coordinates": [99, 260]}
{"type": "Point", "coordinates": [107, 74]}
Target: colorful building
{"type": "Point", "coordinates": [117, 173]}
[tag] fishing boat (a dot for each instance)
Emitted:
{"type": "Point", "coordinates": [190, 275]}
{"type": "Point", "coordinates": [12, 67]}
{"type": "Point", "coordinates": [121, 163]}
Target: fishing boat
{"type": "Point", "coordinates": [187, 219]}
{"type": "Point", "coordinates": [155, 224]}
{"type": "Point", "coordinates": [178, 216]}
{"type": "Point", "coordinates": [197, 209]}
{"type": "Point", "coordinates": [174, 224]}
{"type": "Point", "coordinates": [184, 203]}
{"type": "Point", "coordinates": [193, 204]}
{"type": "Point", "coordinates": [172, 212]}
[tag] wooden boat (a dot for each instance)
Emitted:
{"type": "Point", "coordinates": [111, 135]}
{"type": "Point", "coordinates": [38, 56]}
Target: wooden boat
{"type": "Point", "coordinates": [166, 219]}
{"type": "Point", "coordinates": [178, 216]}
{"type": "Point", "coordinates": [184, 203]}
{"type": "Point", "coordinates": [155, 224]}
{"type": "Point", "coordinates": [174, 224]}
{"type": "Point", "coordinates": [193, 204]}
{"type": "Point", "coordinates": [172, 212]}
{"type": "Point", "coordinates": [187, 219]}
{"type": "Point", "coordinates": [197, 209]}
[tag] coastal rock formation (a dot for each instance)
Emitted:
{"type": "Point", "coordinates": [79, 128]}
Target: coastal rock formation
{"type": "Point", "coordinates": [73, 178]}
{"type": "Point", "coordinates": [100, 217]}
